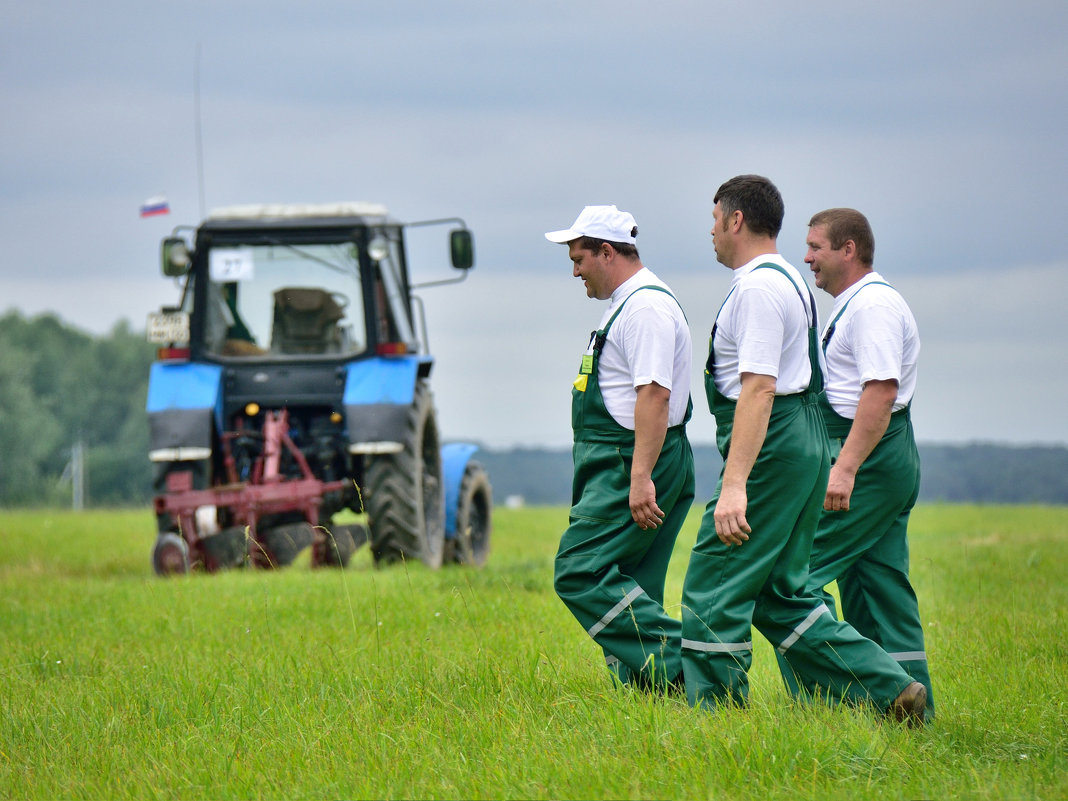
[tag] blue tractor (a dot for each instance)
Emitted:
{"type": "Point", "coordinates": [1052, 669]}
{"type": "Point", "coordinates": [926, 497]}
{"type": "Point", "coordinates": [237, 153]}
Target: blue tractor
{"type": "Point", "coordinates": [290, 406]}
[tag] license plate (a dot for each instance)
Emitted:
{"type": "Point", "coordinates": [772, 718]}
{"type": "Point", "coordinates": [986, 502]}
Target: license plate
{"type": "Point", "coordinates": [168, 328]}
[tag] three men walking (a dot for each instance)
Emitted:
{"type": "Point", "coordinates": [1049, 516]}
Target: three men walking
{"type": "Point", "coordinates": [750, 565]}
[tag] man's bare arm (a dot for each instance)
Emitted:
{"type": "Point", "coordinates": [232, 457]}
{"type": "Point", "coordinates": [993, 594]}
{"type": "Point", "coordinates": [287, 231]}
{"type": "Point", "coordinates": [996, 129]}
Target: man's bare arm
{"type": "Point", "coordinates": [751, 415]}
{"type": "Point", "coordinates": [650, 428]}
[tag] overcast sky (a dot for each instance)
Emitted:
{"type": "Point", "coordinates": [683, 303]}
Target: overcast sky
{"type": "Point", "coordinates": [944, 122]}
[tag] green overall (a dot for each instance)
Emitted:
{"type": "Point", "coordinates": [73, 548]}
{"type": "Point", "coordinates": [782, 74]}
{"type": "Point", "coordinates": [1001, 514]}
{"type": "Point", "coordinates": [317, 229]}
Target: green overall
{"type": "Point", "coordinates": [608, 571]}
{"type": "Point", "coordinates": [762, 582]}
{"type": "Point", "coordinates": [866, 548]}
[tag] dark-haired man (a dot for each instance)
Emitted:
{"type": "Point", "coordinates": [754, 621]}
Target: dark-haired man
{"type": "Point", "coordinates": [749, 565]}
{"type": "Point", "coordinates": [634, 478]}
{"type": "Point", "coordinates": [872, 347]}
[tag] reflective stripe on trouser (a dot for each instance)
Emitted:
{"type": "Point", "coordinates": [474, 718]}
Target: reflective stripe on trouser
{"type": "Point", "coordinates": [762, 582]}
{"type": "Point", "coordinates": [610, 573]}
{"type": "Point", "coordinates": [866, 550]}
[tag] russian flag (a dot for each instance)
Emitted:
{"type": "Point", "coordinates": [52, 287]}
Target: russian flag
{"type": "Point", "coordinates": [155, 206]}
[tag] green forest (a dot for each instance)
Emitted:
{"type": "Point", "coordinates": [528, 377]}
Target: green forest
{"type": "Point", "coordinates": [977, 473]}
{"type": "Point", "coordinates": [60, 386]}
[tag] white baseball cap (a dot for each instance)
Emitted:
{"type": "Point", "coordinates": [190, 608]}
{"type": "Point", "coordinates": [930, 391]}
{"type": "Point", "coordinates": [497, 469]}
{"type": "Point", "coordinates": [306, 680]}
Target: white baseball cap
{"type": "Point", "coordinates": [600, 222]}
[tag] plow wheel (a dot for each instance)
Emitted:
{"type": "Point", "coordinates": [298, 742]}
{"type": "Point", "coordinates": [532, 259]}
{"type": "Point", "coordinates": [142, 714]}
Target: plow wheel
{"type": "Point", "coordinates": [279, 544]}
{"type": "Point", "coordinates": [171, 554]}
{"type": "Point", "coordinates": [339, 544]}
{"type": "Point", "coordinates": [405, 494]}
{"type": "Point", "coordinates": [224, 550]}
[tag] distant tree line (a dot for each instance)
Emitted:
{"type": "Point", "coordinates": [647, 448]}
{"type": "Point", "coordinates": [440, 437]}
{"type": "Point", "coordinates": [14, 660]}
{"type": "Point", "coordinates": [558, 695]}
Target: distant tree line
{"type": "Point", "coordinates": [60, 386]}
{"type": "Point", "coordinates": [981, 473]}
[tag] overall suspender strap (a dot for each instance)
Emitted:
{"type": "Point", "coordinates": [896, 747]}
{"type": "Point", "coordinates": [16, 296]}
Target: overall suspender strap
{"type": "Point", "coordinates": [838, 426]}
{"type": "Point", "coordinates": [830, 329]}
{"type": "Point", "coordinates": [590, 418]}
{"type": "Point", "coordinates": [710, 364]}
{"type": "Point", "coordinates": [815, 381]}
{"type": "Point", "coordinates": [723, 408]}
{"type": "Point", "coordinates": [600, 337]}
{"type": "Point", "coordinates": [811, 306]}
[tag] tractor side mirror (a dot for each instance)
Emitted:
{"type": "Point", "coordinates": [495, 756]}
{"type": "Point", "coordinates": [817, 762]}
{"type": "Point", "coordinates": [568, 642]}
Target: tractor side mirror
{"type": "Point", "coordinates": [175, 257]}
{"type": "Point", "coordinates": [462, 249]}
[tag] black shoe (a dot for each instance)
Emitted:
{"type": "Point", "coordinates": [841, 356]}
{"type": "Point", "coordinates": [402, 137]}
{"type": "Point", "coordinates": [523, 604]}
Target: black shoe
{"type": "Point", "coordinates": [910, 704]}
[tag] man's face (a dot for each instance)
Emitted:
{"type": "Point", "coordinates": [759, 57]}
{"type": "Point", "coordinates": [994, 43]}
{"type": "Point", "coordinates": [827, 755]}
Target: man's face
{"type": "Point", "coordinates": [591, 267]}
{"type": "Point", "coordinates": [828, 265]}
{"type": "Point", "coordinates": [721, 240]}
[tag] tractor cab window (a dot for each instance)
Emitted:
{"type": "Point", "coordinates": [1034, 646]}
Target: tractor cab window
{"type": "Point", "coordinates": [270, 301]}
{"type": "Point", "coordinates": [393, 322]}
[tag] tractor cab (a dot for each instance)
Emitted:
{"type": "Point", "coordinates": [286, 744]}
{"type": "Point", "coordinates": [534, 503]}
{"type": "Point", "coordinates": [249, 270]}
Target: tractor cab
{"type": "Point", "coordinates": [285, 283]}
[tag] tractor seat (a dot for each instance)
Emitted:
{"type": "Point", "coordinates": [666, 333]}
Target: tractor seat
{"type": "Point", "coordinates": [306, 321]}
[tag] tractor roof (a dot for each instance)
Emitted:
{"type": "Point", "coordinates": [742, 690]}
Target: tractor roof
{"type": "Point", "coordinates": [298, 215]}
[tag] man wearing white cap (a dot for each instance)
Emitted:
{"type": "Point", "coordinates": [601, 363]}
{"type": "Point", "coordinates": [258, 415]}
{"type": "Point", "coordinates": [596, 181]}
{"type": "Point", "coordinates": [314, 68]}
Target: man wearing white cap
{"type": "Point", "coordinates": [634, 477]}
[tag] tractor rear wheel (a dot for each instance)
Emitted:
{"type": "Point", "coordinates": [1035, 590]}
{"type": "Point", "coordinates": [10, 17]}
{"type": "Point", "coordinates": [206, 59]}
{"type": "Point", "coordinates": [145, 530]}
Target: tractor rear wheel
{"type": "Point", "coordinates": [405, 494]}
{"type": "Point", "coordinates": [473, 517]}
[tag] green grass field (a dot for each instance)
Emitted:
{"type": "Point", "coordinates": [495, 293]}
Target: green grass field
{"type": "Point", "coordinates": [408, 683]}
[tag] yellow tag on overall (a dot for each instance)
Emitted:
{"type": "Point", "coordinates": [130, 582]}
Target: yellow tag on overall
{"type": "Point", "coordinates": [584, 372]}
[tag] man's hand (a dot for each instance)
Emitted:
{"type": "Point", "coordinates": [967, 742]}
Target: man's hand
{"type": "Point", "coordinates": [839, 489]}
{"type": "Point", "coordinates": [643, 506]}
{"type": "Point", "coordinates": [731, 525]}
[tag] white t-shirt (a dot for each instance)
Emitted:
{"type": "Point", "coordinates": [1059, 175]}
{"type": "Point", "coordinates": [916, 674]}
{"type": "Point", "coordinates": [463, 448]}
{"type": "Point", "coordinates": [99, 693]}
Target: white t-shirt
{"type": "Point", "coordinates": [762, 328]}
{"type": "Point", "coordinates": [649, 341]}
{"type": "Point", "coordinates": [875, 339]}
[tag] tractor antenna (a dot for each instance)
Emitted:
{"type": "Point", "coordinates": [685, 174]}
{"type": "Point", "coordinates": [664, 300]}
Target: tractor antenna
{"type": "Point", "coordinates": [199, 142]}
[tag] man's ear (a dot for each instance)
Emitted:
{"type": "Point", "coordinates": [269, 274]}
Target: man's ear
{"type": "Point", "coordinates": [737, 218]}
{"type": "Point", "coordinates": [849, 249]}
